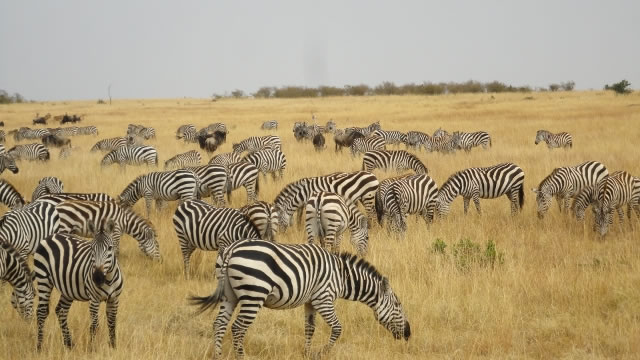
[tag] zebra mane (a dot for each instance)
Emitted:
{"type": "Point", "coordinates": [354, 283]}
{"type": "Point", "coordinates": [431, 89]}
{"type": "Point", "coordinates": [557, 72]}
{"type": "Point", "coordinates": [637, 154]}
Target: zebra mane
{"type": "Point", "coordinates": [355, 262]}
{"type": "Point", "coordinates": [287, 190]}
{"type": "Point", "coordinates": [549, 177]}
{"type": "Point", "coordinates": [13, 252]}
{"type": "Point", "coordinates": [134, 214]}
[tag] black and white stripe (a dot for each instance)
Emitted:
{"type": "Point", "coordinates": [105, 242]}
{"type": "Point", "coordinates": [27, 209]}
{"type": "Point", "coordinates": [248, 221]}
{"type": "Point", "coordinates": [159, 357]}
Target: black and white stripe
{"type": "Point", "coordinates": [614, 192]}
{"type": "Point", "coordinates": [586, 197]}
{"type": "Point", "coordinates": [188, 133]}
{"type": "Point", "coordinates": [264, 218]}
{"type": "Point", "coordinates": [134, 155]}
{"type": "Point", "coordinates": [225, 159]}
{"type": "Point", "coordinates": [33, 151]}
{"type": "Point", "coordinates": [413, 194]}
{"type": "Point", "coordinates": [559, 140]}
{"type": "Point", "coordinates": [25, 133]}
{"type": "Point", "coordinates": [65, 131]}
{"type": "Point", "coordinates": [213, 182]}
{"type": "Point", "coordinates": [269, 125]}
{"type": "Point", "coordinates": [189, 158]}
{"type": "Point", "coordinates": [8, 162]}
{"type": "Point", "coordinates": [467, 141]}
{"type": "Point", "coordinates": [55, 199]}
{"type": "Point", "coordinates": [256, 143]}
{"type": "Point", "coordinates": [109, 144]}
{"type": "Point", "coordinates": [243, 174]}
{"type": "Point", "coordinates": [10, 196]}
{"type": "Point", "coordinates": [444, 143]}
{"type": "Point", "coordinates": [15, 271]}
{"type": "Point", "coordinates": [417, 139]}
{"type": "Point", "coordinates": [253, 274]}
{"type": "Point", "coordinates": [364, 144]}
{"type": "Point", "coordinates": [25, 228]}
{"type": "Point", "coordinates": [392, 137]}
{"type": "Point", "coordinates": [268, 161]}
{"type": "Point", "coordinates": [46, 186]}
{"type": "Point", "coordinates": [399, 160]}
{"type": "Point", "coordinates": [366, 131]}
{"type": "Point", "coordinates": [87, 130]}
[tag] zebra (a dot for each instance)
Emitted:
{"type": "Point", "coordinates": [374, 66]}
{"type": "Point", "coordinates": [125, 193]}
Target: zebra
{"type": "Point", "coordinates": [33, 151]}
{"type": "Point", "coordinates": [483, 183]}
{"type": "Point", "coordinates": [25, 228]}
{"type": "Point", "coordinates": [360, 186]}
{"type": "Point", "coordinates": [256, 143]}
{"type": "Point", "coordinates": [199, 225]}
{"type": "Point", "coordinates": [29, 134]}
{"type": "Point", "coordinates": [15, 271]}
{"type": "Point", "coordinates": [135, 155]}
{"type": "Point", "coordinates": [445, 143]}
{"type": "Point", "coordinates": [264, 218]}
{"type": "Point", "coordinates": [187, 133]}
{"type": "Point", "coordinates": [65, 131]}
{"type": "Point", "coordinates": [466, 141]}
{"type": "Point", "coordinates": [88, 130]}
{"type": "Point", "coordinates": [255, 273]}
{"type": "Point", "coordinates": [189, 158]}
{"type": "Point", "coordinates": [409, 195]}
{"type": "Point", "coordinates": [213, 182]}
{"type": "Point", "coordinates": [217, 127]}
{"type": "Point", "coordinates": [81, 271]}
{"type": "Point", "coordinates": [75, 217]}
{"type": "Point", "coordinates": [10, 196]}
{"type": "Point", "coordinates": [559, 140]}
{"type": "Point", "coordinates": [148, 133]}
{"type": "Point", "coordinates": [417, 139]}
{"type": "Point", "coordinates": [268, 161]}
{"type": "Point", "coordinates": [55, 199]}
{"type": "Point", "coordinates": [3, 136]}
{"type": "Point", "coordinates": [243, 174]}
{"type": "Point", "coordinates": [391, 137]}
{"type": "Point", "coordinates": [362, 145]}
{"type": "Point", "coordinates": [160, 186]}
{"type": "Point", "coordinates": [225, 159]}
{"type": "Point", "coordinates": [566, 182]}
{"type": "Point", "coordinates": [400, 160]}
{"type": "Point", "coordinates": [381, 195]}
{"type": "Point", "coordinates": [366, 131]}
{"type": "Point", "coordinates": [134, 139]}
{"type": "Point", "coordinates": [440, 133]}
{"type": "Point", "coordinates": [582, 200]}
{"type": "Point", "coordinates": [615, 191]}
{"type": "Point", "coordinates": [269, 125]}
{"type": "Point", "coordinates": [46, 186]}
{"type": "Point", "coordinates": [328, 216]}
{"type": "Point", "coordinates": [8, 162]}
{"type": "Point", "coordinates": [109, 144]}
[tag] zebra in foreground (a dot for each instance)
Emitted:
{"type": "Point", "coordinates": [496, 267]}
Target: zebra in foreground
{"type": "Point", "coordinates": [189, 158]}
{"type": "Point", "coordinates": [269, 125]}
{"type": "Point", "coordinates": [33, 151]}
{"type": "Point", "coordinates": [364, 144]}
{"type": "Point", "coordinates": [199, 225]}
{"type": "Point", "coordinates": [8, 162]}
{"type": "Point", "coordinates": [109, 144]}
{"type": "Point", "coordinates": [466, 141]}
{"type": "Point", "coordinates": [75, 217]}
{"type": "Point", "coordinates": [414, 194]}
{"type": "Point", "coordinates": [25, 228]}
{"type": "Point", "coordinates": [400, 160]}
{"type": "Point", "coordinates": [264, 218]}
{"type": "Point", "coordinates": [15, 271]}
{"type": "Point", "coordinates": [81, 271]}
{"type": "Point", "coordinates": [256, 143]}
{"type": "Point", "coordinates": [328, 216]}
{"type": "Point", "coordinates": [614, 192]}
{"type": "Point", "coordinates": [566, 182]}
{"type": "Point", "coordinates": [392, 137]}
{"type": "Point", "coordinates": [225, 159]}
{"type": "Point", "coordinates": [134, 155]}
{"type": "Point", "coordinates": [483, 183]}
{"type": "Point", "coordinates": [559, 140]}
{"type": "Point", "coordinates": [46, 186]}
{"type": "Point", "coordinates": [253, 274]}
{"type": "Point", "coordinates": [268, 161]}
{"type": "Point", "coordinates": [160, 186]}
{"type": "Point", "coordinates": [243, 174]}
{"type": "Point", "coordinates": [10, 196]}
{"type": "Point", "coordinates": [212, 181]}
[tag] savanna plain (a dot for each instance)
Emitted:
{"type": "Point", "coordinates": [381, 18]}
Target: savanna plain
{"type": "Point", "coordinates": [555, 289]}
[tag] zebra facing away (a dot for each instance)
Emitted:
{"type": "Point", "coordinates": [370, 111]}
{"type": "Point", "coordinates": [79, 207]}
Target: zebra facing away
{"type": "Point", "coordinates": [614, 192]}
{"type": "Point", "coordinates": [269, 125]}
{"type": "Point", "coordinates": [81, 271]}
{"type": "Point", "coordinates": [134, 155]}
{"type": "Point", "coordinates": [328, 216]}
{"type": "Point", "coordinates": [48, 185]}
{"type": "Point", "coordinates": [559, 140]}
{"type": "Point", "coordinates": [264, 218]}
{"type": "Point", "coordinates": [9, 196]}
{"type": "Point", "coordinates": [109, 144]}
{"type": "Point", "coordinates": [409, 195]}
{"type": "Point", "coordinates": [253, 274]}
{"type": "Point", "coordinates": [15, 271]}
{"type": "Point", "coordinates": [189, 158]}
{"type": "Point", "coordinates": [364, 144]}
{"type": "Point", "coordinates": [565, 183]}
{"type": "Point", "coordinates": [399, 160]}
{"type": "Point", "coordinates": [466, 141]}
{"type": "Point", "coordinates": [199, 225]}
{"type": "Point", "coordinates": [268, 161]}
{"type": "Point", "coordinates": [382, 209]}
{"type": "Point", "coordinates": [160, 186]}
{"type": "Point", "coordinates": [8, 162]}
{"type": "Point", "coordinates": [33, 151]}
{"type": "Point", "coordinates": [483, 183]}
{"type": "Point", "coordinates": [243, 174]}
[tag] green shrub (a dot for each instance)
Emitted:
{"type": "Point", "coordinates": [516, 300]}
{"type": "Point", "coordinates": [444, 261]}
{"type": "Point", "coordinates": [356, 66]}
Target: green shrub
{"type": "Point", "coordinates": [439, 246]}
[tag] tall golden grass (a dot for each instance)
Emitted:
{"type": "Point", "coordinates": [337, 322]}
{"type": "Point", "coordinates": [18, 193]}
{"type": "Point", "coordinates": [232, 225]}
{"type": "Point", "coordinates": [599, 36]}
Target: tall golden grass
{"type": "Point", "coordinates": [561, 292]}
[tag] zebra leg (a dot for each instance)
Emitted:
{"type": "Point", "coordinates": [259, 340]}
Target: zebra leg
{"type": "Point", "coordinates": [620, 217]}
{"type": "Point", "coordinates": [147, 201]}
{"type": "Point", "coordinates": [246, 317]}
{"type": "Point", "coordinates": [309, 327]}
{"type": "Point", "coordinates": [186, 258]}
{"type": "Point", "coordinates": [466, 204]}
{"type": "Point", "coordinates": [328, 312]}
{"type": "Point", "coordinates": [44, 293]}
{"type": "Point", "coordinates": [112, 312]}
{"type": "Point", "coordinates": [94, 307]}
{"type": "Point", "coordinates": [476, 202]}
{"type": "Point", "coordinates": [221, 323]}
{"type": "Point", "coordinates": [62, 311]}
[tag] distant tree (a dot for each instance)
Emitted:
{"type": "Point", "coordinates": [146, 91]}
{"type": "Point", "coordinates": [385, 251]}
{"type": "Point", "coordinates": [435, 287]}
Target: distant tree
{"type": "Point", "coordinates": [495, 87]}
{"type": "Point", "coordinates": [619, 87]}
{"type": "Point", "coordinates": [386, 88]}
{"type": "Point", "coordinates": [264, 92]}
{"type": "Point", "coordinates": [237, 94]}
{"type": "Point", "coordinates": [554, 87]}
{"type": "Point", "coordinates": [357, 90]}
{"type": "Point", "coordinates": [568, 86]}
{"type": "Point", "coordinates": [331, 91]}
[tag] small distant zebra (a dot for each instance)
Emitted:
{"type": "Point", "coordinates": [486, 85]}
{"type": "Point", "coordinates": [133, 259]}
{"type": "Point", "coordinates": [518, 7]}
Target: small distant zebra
{"type": "Point", "coordinates": [410, 195]}
{"type": "Point", "coordinates": [483, 183]}
{"type": "Point", "coordinates": [148, 133]}
{"type": "Point", "coordinates": [213, 182]}
{"type": "Point", "coordinates": [160, 186]}
{"type": "Point", "coordinates": [243, 174]}
{"type": "Point", "coordinates": [189, 158]}
{"type": "Point", "coordinates": [264, 218]}
{"type": "Point", "coordinates": [440, 133]}
{"type": "Point", "coordinates": [81, 271]}
{"type": "Point", "coordinates": [217, 127]}
{"type": "Point", "coordinates": [614, 192]}
{"type": "Point", "coordinates": [269, 125]}
{"type": "Point", "coordinates": [417, 139]}
{"type": "Point", "coordinates": [26, 227]}
{"type": "Point", "coordinates": [466, 141]}
{"type": "Point", "coordinates": [559, 140]}
{"type": "Point", "coordinates": [15, 271]}
{"type": "Point", "coordinates": [445, 143]}
{"type": "Point", "coordinates": [66, 131]}
{"type": "Point", "coordinates": [109, 144]}
{"type": "Point", "coordinates": [268, 161]}
{"type": "Point", "coordinates": [392, 137]}
{"type": "Point", "coordinates": [30, 152]}
{"type": "Point", "coordinates": [183, 130]}
{"type": "Point", "coordinates": [225, 159]}
{"type": "Point", "coordinates": [256, 143]}
{"type": "Point", "coordinates": [88, 130]}
{"type": "Point", "coordinates": [400, 160]}
{"type": "Point", "coordinates": [10, 196]}
{"type": "Point", "coordinates": [214, 228]}
{"type": "Point", "coordinates": [328, 216]}
{"type": "Point", "coordinates": [29, 134]}
{"type": "Point", "coordinates": [134, 155]}
{"type": "Point", "coordinates": [47, 186]}
{"type": "Point", "coordinates": [362, 145]}
{"type": "Point", "coordinates": [366, 131]}
{"type": "Point", "coordinates": [8, 162]}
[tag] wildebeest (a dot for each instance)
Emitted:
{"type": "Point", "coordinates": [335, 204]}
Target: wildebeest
{"type": "Point", "coordinates": [55, 140]}
{"type": "Point", "coordinates": [70, 119]}
{"type": "Point", "coordinates": [42, 120]}
{"type": "Point", "coordinates": [345, 140]}
{"type": "Point", "coordinates": [318, 142]}
{"type": "Point", "coordinates": [210, 142]}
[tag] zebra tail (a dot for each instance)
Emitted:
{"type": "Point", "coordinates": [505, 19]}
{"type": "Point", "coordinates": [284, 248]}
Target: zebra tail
{"type": "Point", "coordinates": [208, 302]}
{"type": "Point", "coordinates": [379, 209]}
{"type": "Point", "coordinates": [521, 196]}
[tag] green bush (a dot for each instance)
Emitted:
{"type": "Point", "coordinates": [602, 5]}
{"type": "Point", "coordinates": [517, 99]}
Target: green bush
{"type": "Point", "coordinates": [620, 88]}
{"type": "Point", "coordinates": [467, 253]}
{"type": "Point", "coordinates": [439, 246]}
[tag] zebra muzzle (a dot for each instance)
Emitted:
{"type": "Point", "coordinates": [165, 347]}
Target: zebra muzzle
{"type": "Point", "coordinates": [98, 276]}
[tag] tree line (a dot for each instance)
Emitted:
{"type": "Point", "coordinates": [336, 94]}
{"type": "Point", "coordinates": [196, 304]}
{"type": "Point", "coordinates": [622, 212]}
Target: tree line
{"type": "Point", "coordinates": [6, 98]}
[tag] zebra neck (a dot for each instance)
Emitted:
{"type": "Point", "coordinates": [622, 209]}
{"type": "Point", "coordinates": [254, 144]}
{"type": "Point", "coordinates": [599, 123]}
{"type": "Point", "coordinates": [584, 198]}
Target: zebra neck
{"type": "Point", "coordinates": [358, 283]}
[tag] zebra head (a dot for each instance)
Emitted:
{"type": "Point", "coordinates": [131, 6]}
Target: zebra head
{"type": "Point", "coordinates": [22, 297]}
{"type": "Point", "coordinates": [543, 199]}
{"type": "Point", "coordinates": [103, 250]}
{"type": "Point", "coordinates": [130, 195]}
{"type": "Point", "coordinates": [47, 185]}
{"type": "Point", "coordinates": [389, 312]}
{"type": "Point", "coordinates": [149, 244]}
{"type": "Point", "coordinates": [361, 236]}
{"type": "Point", "coordinates": [8, 162]}
{"type": "Point", "coordinates": [603, 218]}
{"type": "Point", "coordinates": [21, 278]}
{"type": "Point", "coordinates": [540, 136]}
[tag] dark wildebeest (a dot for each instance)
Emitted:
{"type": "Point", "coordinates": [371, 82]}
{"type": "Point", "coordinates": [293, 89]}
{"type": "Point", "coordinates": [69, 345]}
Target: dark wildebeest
{"type": "Point", "coordinates": [318, 142]}
{"type": "Point", "coordinates": [345, 140]}
{"type": "Point", "coordinates": [55, 141]}
{"type": "Point", "coordinates": [210, 142]}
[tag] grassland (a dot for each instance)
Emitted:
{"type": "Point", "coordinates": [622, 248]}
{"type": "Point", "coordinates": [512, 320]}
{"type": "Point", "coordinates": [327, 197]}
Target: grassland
{"type": "Point", "coordinates": [561, 291]}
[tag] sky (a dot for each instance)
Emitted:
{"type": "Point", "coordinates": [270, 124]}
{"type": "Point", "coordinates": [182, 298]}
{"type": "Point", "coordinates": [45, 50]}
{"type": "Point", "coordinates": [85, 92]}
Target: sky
{"type": "Point", "coordinates": [73, 50]}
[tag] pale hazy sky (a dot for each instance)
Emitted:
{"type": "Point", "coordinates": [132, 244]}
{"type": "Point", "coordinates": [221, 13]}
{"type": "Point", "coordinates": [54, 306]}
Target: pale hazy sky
{"type": "Point", "coordinates": [54, 50]}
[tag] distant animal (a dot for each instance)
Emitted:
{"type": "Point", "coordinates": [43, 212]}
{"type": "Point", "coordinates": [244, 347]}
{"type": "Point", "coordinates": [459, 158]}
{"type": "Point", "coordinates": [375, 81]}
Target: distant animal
{"type": "Point", "coordinates": [133, 155]}
{"type": "Point", "coordinates": [70, 119]}
{"type": "Point", "coordinates": [210, 142]}
{"type": "Point", "coordinates": [189, 158]}
{"type": "Point", "coordinates": [55, 141]}
{"type": "Point", "coordinates": [109, 144]}
{"type": "Point", "coordinates": [559, 140]}
{"type": "Point", "coordinates": [29, 152]}
{"type": "Point", "coordinates": [41, 120]}
{"type": "Point", "coordinates": [391, 137]}
{"type": "Point", "coordinates": [318, 142]}
{"type": "Point", "coordinates": [343, 139]}
{"type": "Point", "coordinates": [399, 160]}
{"type": "Point", "coordinates": [366, 131]}
{"type": "Point", "coordinates": [362, 145]}
{"type": "Point", "coordinates": [256, 143]}
{"type": "Point", "coordinates": [225, 159]}
{"type": "Point", "coordinates": [466, 141]}
{"type": "Point", "coordinates": [269, 125]}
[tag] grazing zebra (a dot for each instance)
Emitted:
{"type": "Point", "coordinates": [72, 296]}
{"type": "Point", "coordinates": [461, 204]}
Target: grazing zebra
{"type": "Point", "coordinates": [81, 271]}
{"type": "Point", "coordinates": [187, 133]}
{"type": "Point", "coordinates": [615, 191]}
{"type": "Point", "coordinates": [328, 216]}
{"type": "Point", "coordinates": [243, 174]}
{"type": "Point", "coordinates": [466, 141]}
{"type": "Point", "coordinates": [445, 143]}
{"type": "Point", "coordinates": [254, 273]}
{"type": "Point", "coordinates": [9, 196]}
{"type": "Point", "coordinates": [25, 228]}
{"type": "Point", "coordinates": [88, 130]}
{"type": "Point", "coordinates": [8, 162]}
{"type": "Point", "coordinates": [586, 197]}
{"type": "Point", "coordinates": [360, 186]}
{"type": "Point", "coordinates": [366, 131]}
{"type": "Point", "coordinates": [109, 144]}
{"type": "Point", "coordinates": [264, 218]}
{"type": "Point", "coordinates": [189, 158]}
{"type": "Point", "coordinates": [15, 271]}
{"type": "Point", "coordinates": [566, 182]}
{"type": "Point", "coordinates": [417, 139]}
{"type": "Point", "coordinates": [65, 131]}
{"type": "Point", "coordinates": [362, 145]}
{"type": "Point", "coordinates": [391, 137]}
{"type": "Point", "coordinates": [213, 182]}
{"type": "Point", "coordinates": [134, 155]}
{"type": "Point", "coordinates": [30, 152]}
{"type": "Point", "coordinates": [29, 134]}
{"type": "Point", "coordinates": [483, 183]}
{"type": "Point", "coordinates": [55, 199]}
{"type": "Point", "coordinates": [199, 225]}
{"type": "Point", "coordinates": [256, 143]}
{"type": "Point", "coordinates": [269, 125]}
{"type": "Point", "coordinates": [268, 161]}
{"type": "Point", "coordinates": [160, 186]}
{"type": "Point", "coordinates": [134, 140]}
{"type": "Point", "coordinates": [46, 186]}
{"type": "Point", "coordinates": [75, 217]}
{"type": "Point", "coordinates": [408, 195]}
{"type": "Point", "coordinates": [399, 160]}
{"type": "Point", "coordinates": [225, 159]}
{"type": "Point", "coordinates": [559, 140]}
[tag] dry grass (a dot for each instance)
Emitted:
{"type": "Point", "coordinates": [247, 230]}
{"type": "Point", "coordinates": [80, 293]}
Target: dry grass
{"type": "Point", "coordinates": [561, 292]}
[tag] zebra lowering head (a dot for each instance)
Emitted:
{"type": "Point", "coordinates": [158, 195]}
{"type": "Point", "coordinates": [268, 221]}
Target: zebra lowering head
{"type": "Point", "coordinates": [14, 270]}
{"type": "Point", "coordinates": [104, 251]}
{"type": "Point", "coordinates": [8, 162]}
